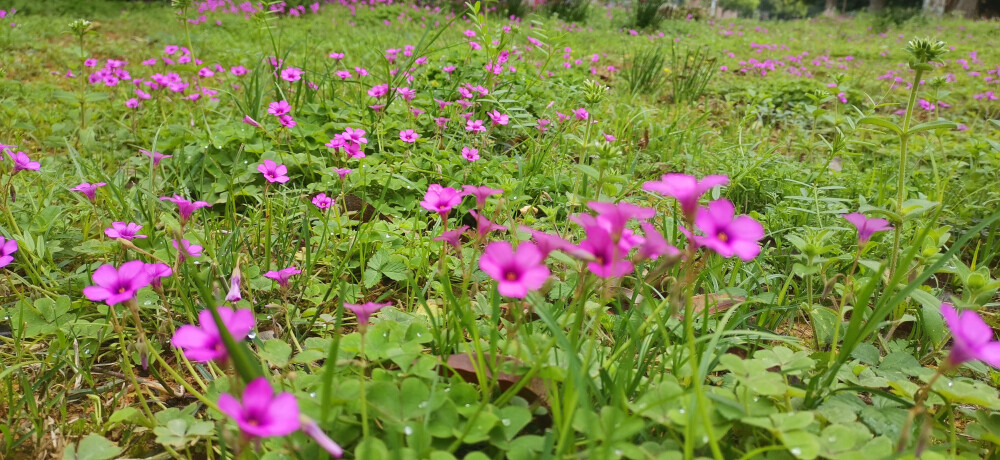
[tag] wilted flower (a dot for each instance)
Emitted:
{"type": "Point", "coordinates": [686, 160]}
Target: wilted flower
{"type": "Point", "coordinates": [262, 413]}
{"type": "Point", "coordinates": [516, 272]}
{"type": "Point", "coordinates": [204, 343]}
{"type": "Point", "coordinates": [234, 287]}
{"type": "Point", "coordinates": [250, 121]}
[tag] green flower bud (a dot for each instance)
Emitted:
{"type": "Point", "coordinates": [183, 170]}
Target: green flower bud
{"type": "Point", "coordinates": [923, 51]}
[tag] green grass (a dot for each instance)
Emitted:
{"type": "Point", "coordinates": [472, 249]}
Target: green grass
{"type": "Point", "coordinates": [815, 348]}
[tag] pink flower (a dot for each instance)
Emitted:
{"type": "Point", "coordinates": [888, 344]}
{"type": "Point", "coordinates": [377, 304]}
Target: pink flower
{"type": "Point", "coordinates": [117, 285]}
{"type": "Point", "coordinates": [441, 199]}
{"type": "Point", "coordinates": [239, 71]}
{"type": "Point", "coordinates": [121, 230]}
{"type": "Point", "coordinates": [481, 192]}
{"type": "Point", "coordinates": [287, 121]}
{"type": "Point", "coordinates": [310, 428]}
{"type": "Point", "coordinates": [484, 225]}
{"type": "Point", "coordinates": [291, 74]}
{"type": "Point", "coordinates": [581, 114]}
{"type": "Point", "coordinates": [379, 90]}
{"type": "Point", "coordinates": [866, 227]}
{"type": "Point", "coordinates": [185, 207]}
{"type": "Point", "coordinates": [974, 340]}
{"type": "Point", "coordinates": [614, 216]}
{"type": "Point", "coordinates": [273, 172]}
{"type": "Point", "coordinates": [251, 121]}
{"type": "Point", "coordinates": [442, 122]}
{"type": "Point", "coordinates": [262, 413]}
{"type": "Point", "coordinates": [170, 49]}
{"type": "Point", "coordinates": [609, 137]}
{"type": "Point", "coordinates": [336, 56]}
{"type": "Point", "coordinates": [282, 276]}
{"type": "Point", "coordinates": [606, 257]}
{"type": "Point", "coordinates": [185, 249]}
{"type": "Point", "coordinates": [22, 162]}
{"type": "Point", "coordinates": [89, 190]}
{"type": "Point", "coordinates": [543, 125]}
{"type": "Point", "coordinates": [516, 272]}
{"type": "Point", "coordinates": [204, 343]}
{"type": "Point", "coordinates": [7, 250]}
{"type": "Point", "coordinates": [686, 189]}
{"type": "Point", "coordinates": [499, 118]}
{"type": "Point", "coordinates": [453, 237]}
{"type": "Point", "coordinates": [322, 201]}
{"type": "Point", "coordinates": [654, 245]}
{"type": "Point", "coordinates": [234, 287]}
{"type": "Point", "coordinates": [364, 311]}
{"type": "Point", "coordinates": [156, 272]}
{"type": "Point", "coordinates": [727, 234]}
{"type": "Point", "coordinates": [132, 103]}
{"type": "Point", "coordinates": [156, 156]}
{"type": "Point", "coordinates": [279, 108]}
{"type": "Point", "coordinates": [547, 242]}
{"type": "Point", "coordinates": [408, 135]}
{"type": "Point", "coordinates": [342, 172]}
{"type": "Point", "coordinates": [448, 69]}
{"type": "Point", "coordinates": [475, 126]}
{"type": "Point", "coordinates": [343, 74]}
{"type": "Point", "coordinates": [469, 153]}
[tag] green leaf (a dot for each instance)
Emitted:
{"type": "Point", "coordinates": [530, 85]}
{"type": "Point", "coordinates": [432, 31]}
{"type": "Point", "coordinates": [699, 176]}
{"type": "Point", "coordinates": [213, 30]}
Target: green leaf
{"type": "Point", "coordinates": [276, 352]}
{"type": "Point", "coordinates": [801, 444]}
{"type": "Point", "coordinates": [126, 414]}
{"type": "Point", "coordinates": [513, 419]}
{"type": "Point", "coordinates": [932, 125]}
{"type": "Point", "coordinates": [93, 447]}
{"type": "Point", "coordinates": [881, 122]}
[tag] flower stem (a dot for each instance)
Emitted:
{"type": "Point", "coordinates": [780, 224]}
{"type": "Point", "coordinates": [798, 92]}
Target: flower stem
{"type": "Point", "coordinates": [903, 138]}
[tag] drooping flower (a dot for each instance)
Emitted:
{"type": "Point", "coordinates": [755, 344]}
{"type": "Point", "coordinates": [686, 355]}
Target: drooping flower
{"type": "Point", "coordinates": [234, 287]}
{"type": "Point", "coordinates": [654, 245]}
{"type": "Point", "coordinates": [441, 199]}
{"type": "Point", "coordinates": [726, 233]}
{"type": "Point", "coordinates": [23, 163]}
{"type": "Point", "coordinates": [605, 257]}
{"type": "Point", "coordinates": [516, 272]}
{"type": "Point", "coordinates": [547, 242]}
{"type": "Point", "coordinates": [7, 250]}
{"type": "Point", "coordinates": [250, 121]}
{"type": "Point", "coordinates": [262, 413]}
{"type": "Point", "coordinates": [157, 272]}
{"type": "Point", "coordinates": [282, 276]}
{"type": "Point", "coordinates": [310, 428]}
{"type": "Point", "coordinates": [322, 201]}
{"type": "Point", "coordinates": [156, 156]}
{"type": "Point", "coordinates": [484, 225]}
{"type": "Point", "coordinates": [273, 172]}
{"type": "Point", "coordinates": [121, 230]}
{"type": "Point", "coordinates": [185, 249]}
{"type": "Point", "coordinates": [469, 153]}
{"type": "Point", "coordinates": [685, 188]}
{"type": "Point", "coordinates": [866, 227]}
{"type": "Point", "coordinates": [408, 136]}
{"type": "Point", "coordinates": [453, 237]}
{"type": "Point", "coordinates": [117, 285]}
{"type": "Point", "coordinates": [481, 193]}
{"type": "Point", "coordinates": [973, 339]}
{"type": "Point", "coordinates": [89, 190]}
{"type": "Point", "coordinates": [364, 311]}
{"type": "Point", "coordinates": [204, 343]}
{"type": "Point", "coordinates": [185, 207]}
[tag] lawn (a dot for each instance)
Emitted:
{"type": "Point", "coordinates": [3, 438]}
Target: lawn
{"type": "Point", "coordinates": [229, 230]}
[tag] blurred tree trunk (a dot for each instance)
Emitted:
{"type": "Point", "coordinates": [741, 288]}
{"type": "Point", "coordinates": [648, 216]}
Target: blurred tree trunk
{"type": "Point", "coordinates": [968, 8]}
{"type": "Point", "coordinates": [876, 5]}
{"type": "Point", "coordinates": [934, 7]}
{"type": "Point", "coordinates": [831, 8]}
